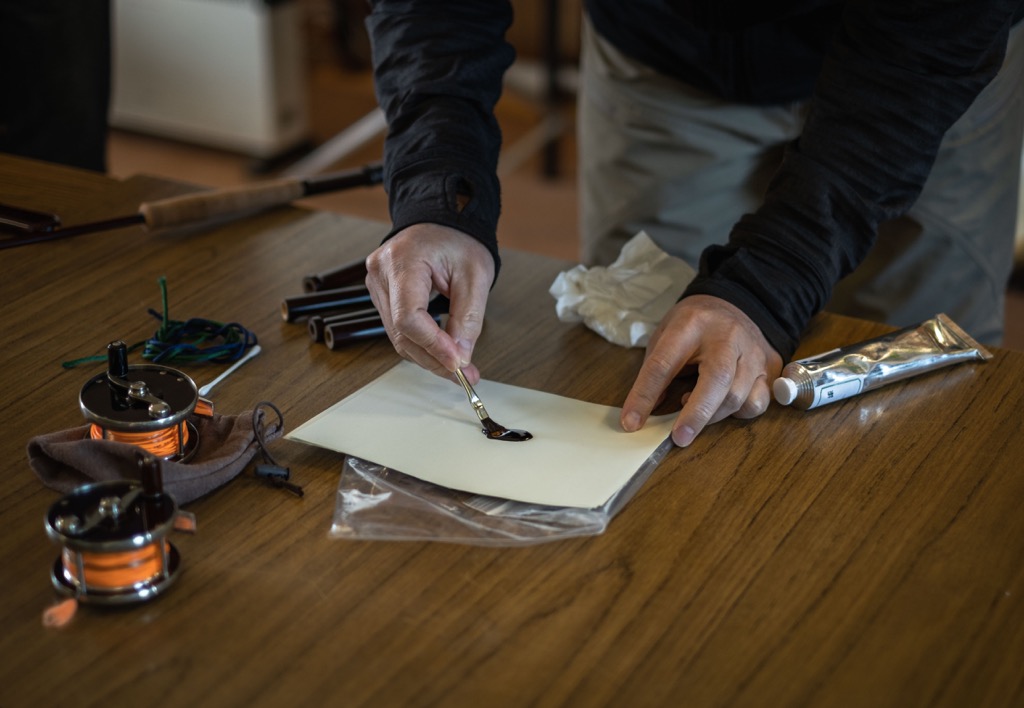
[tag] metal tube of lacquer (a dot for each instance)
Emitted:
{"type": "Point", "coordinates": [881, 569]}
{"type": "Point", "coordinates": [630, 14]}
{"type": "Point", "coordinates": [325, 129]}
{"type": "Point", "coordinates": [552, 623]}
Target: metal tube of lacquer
{"type": "Point", "coordinates": [865, 366]}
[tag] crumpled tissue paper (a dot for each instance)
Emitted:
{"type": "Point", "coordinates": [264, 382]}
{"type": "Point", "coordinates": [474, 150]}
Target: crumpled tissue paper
{"type": "Point", "coordinates": [625, 301]}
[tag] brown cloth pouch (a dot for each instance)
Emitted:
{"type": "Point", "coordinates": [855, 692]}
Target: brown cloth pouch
{"type": "Point", "coordinates": [69, 458]}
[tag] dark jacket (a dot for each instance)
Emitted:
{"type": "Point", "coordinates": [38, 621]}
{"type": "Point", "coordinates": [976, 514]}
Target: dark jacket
{"type": "Point", "coordinates": [887, 80]}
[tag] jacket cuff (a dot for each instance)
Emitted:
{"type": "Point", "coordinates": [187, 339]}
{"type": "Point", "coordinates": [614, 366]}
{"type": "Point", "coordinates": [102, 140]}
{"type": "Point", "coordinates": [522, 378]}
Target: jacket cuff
{"type": "Point", "coordinates": [460, 199]}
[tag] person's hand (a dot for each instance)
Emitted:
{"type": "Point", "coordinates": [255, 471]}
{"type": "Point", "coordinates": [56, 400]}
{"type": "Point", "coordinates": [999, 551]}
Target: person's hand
{"type": "Point", "coordinates": [407, 269]}
{"type": "Point", "coordinates": [735, 367]}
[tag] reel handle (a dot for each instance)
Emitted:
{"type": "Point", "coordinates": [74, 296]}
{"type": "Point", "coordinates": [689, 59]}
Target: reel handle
{"type": "Point", "coordinates": [150, 474]}
{"type": "Point", "coordinates": [117, 359]}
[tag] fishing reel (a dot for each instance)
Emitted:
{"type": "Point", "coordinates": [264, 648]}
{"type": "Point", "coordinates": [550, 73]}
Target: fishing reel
{"type": "Point", "coordinates": [113, 538]}
{"type": "Point", "coordinates": [146, 406]}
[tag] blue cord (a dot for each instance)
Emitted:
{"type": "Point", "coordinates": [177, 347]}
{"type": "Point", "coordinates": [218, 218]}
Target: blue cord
{"type": "Point", "coordinates": [195, 340]}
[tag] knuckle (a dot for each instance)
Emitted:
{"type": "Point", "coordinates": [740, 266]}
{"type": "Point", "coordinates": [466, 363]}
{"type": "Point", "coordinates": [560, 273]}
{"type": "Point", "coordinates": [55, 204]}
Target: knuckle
{"type": "Point", "coordinates": [401, 343]}
{"type": "Point", "coordinates": [403, 320]}
{"type": "Point", "coordinates": [378, 259]}
{"type": "Point", "coordinates": [732, 402]}
{"type": "Point", "coordinates": [752, 408]}
{"type": "Point", "coordinates": [702, 410]}
{"type": "Point", "coordinates": [659, 367]}
{"type": "Point", "coordinates": [473, 316]}
{"type": "Point", "coordinates": [718, 378]}
{"type": "Point", "coordinates": [759, 405]}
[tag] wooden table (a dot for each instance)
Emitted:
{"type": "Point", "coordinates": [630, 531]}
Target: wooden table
{"type": "Point", "coordinates": [870, 553]}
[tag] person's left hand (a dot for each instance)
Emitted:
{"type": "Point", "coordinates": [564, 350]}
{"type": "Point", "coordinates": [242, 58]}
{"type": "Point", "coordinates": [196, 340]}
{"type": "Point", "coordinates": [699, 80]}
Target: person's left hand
{"type": "Point", "coordinates": [735, 367]}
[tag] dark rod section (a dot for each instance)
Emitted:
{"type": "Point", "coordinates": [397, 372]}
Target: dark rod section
{"type": "Point", "coordinates": [316, 323]}
{"type": "Point", "coordinates": [298, 306]}
{"type": "Point", "coordinates": [353, 273]}
{"type": "Point", "coordinates": [366, 176]}
{"type": "Point", "coordinates": [341, 333]}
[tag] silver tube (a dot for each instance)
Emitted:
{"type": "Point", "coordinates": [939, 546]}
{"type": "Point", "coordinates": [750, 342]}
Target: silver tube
{"type": "Point", "coordinates": [856, 368]}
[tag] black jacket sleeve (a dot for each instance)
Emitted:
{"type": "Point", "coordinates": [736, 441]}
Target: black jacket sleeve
{"type": "Point", "coordinates": [438, 68]}
{"type": "Point", "coordinates": [897, 76]}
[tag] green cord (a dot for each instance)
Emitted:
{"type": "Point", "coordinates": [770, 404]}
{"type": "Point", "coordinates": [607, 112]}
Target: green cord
{"type": "Point", "coordinates": [190, 341]}
{"type": "Point", "coordinates": [92, 359]}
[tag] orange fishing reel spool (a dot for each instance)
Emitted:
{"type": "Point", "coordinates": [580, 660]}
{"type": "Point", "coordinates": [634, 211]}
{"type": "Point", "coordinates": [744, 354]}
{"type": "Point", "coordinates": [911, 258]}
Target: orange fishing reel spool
{"type": "Point", "coordinates": [146, 406]}
{"type": "Point", "coordinates": [113, 538]}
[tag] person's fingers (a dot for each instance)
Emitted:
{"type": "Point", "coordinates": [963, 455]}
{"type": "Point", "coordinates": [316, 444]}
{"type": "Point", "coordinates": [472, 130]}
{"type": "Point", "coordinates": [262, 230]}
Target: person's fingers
{"type": "Point", "coordinates": [468, 301]}
{"type": "Point", "coordinates": [743, 393]}
{"type": "Point", "coordinates": [419, 338]}
{"type": "Point", "coordinates": [757, 367]}
{"type": "Point", "coordinates": [745, 399]}
{"type": "Point", "coordinates": [734, 364]}
{"type": "Point", "coordinates": [400, 288]}
{"type": "Point", "coordinates": [758, 401]}
{"type": "Point", "coordinates": [668, 351]}
{"type": "Point", "coordinates": [380, 291]}
{"type": "Point", "coordinates": [406, 271]}
{"type": "Point", "coordinates": [714, 384]}
{"type": "Point", "coordinates": [756, 404]}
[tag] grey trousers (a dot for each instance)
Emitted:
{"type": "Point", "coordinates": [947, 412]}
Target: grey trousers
{"type": "Point", "coordinates": [683, 165]}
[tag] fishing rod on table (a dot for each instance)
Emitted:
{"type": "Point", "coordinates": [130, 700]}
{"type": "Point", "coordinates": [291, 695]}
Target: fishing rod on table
{"type": "Point", "coordinates": [20, 227]}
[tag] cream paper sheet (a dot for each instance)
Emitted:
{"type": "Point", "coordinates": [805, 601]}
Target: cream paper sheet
{"type": "Point", "coordinates": [422, 425]}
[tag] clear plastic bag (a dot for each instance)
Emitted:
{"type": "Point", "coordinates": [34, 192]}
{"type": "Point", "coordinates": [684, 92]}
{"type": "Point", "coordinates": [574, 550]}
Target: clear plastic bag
{"type": "Point", "coordinates": [377, 503]}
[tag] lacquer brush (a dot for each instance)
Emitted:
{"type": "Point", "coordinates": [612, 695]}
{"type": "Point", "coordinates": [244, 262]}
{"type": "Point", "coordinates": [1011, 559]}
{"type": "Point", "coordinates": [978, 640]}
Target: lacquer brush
{"type": "Point", "coordinates": [491, 429]}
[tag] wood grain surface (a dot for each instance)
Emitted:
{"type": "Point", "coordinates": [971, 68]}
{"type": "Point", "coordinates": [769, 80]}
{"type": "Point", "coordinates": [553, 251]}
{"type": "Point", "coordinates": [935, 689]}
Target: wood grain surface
{"type": "Point", "coordinates": [869, 553]}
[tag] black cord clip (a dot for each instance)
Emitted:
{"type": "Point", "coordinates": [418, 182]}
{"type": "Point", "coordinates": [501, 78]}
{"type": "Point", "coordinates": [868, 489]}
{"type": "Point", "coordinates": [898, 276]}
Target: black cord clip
{"type": "Point", "coordinates": [271, 471]}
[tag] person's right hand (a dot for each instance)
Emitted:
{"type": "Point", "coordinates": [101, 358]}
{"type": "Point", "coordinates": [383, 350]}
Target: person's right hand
{"type": "Point", "coordinates": [412, 265]}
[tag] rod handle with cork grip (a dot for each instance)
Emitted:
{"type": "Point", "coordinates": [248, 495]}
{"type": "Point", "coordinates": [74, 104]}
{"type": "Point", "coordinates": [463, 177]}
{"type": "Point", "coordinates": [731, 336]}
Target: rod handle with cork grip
{"type": "Point", "coordinates": [21, 227]}
{"type": "Point", "coordinates": [250, 198]}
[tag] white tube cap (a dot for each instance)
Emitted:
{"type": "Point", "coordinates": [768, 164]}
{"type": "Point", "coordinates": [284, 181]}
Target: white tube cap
{"type": "Point", "coordinates": [785, 390]}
